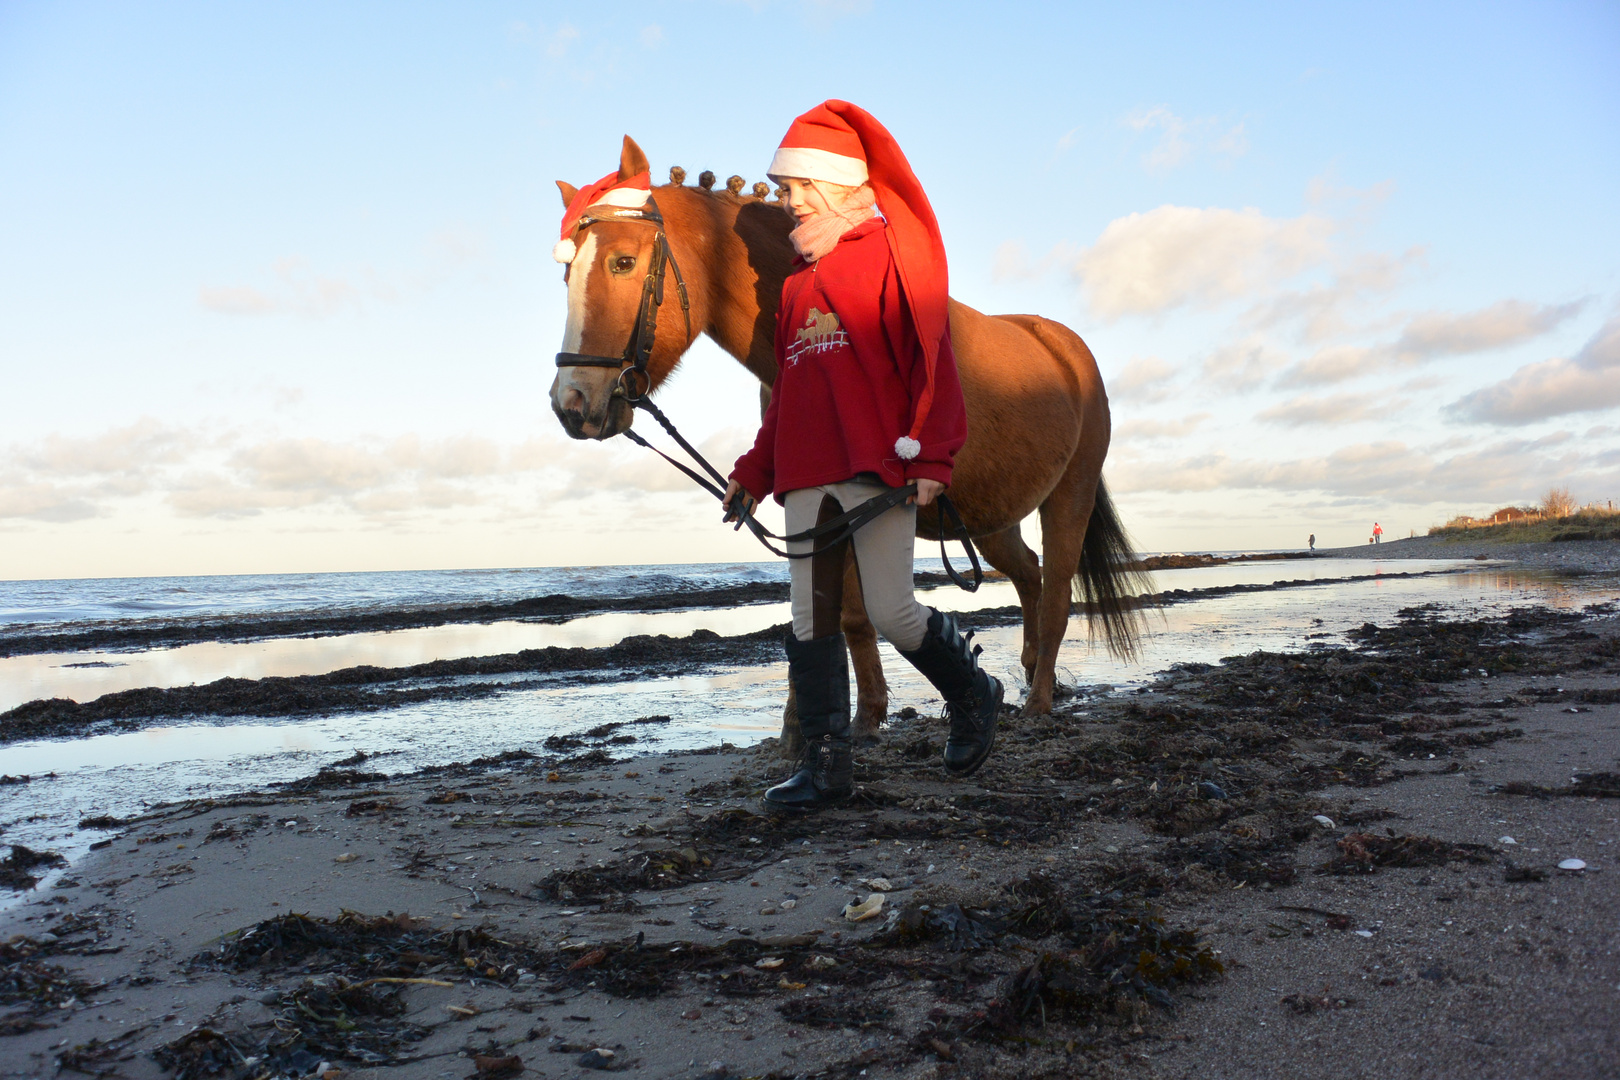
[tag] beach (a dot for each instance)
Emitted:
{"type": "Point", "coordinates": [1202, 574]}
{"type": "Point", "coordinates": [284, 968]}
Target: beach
{"type": "Point", "coordinates": [1338, 859]}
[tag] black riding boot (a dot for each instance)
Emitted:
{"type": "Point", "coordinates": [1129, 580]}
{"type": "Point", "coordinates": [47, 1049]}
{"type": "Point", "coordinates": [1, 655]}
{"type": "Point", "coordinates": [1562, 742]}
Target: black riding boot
{"type": "Point", "coordinates": [819, 672]}
{"type": "Point", "coordinates": [972, 697]}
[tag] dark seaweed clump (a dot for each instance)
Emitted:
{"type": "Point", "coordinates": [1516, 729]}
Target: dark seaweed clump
{"type": "Point", "coordinates": [15, 868]}
{"type": "Point", "coordinates": [343, 1021]}
{"type": "Point", "coordinates": [355, 945]}
{"type": "Point", "coordinates": [32, 989]}
{"type": "Point", "coordinates": [1366, 852]}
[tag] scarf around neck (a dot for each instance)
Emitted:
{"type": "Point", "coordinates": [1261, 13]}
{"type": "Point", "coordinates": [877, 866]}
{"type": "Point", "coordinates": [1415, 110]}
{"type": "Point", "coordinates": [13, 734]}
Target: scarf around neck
{"type": "Point", "coordinates": [816, 237]}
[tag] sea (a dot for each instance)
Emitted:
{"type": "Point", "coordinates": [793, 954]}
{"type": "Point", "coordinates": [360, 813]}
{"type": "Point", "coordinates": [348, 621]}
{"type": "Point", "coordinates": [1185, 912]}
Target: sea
{"type": "Point", "coordinates": [1292, 604]}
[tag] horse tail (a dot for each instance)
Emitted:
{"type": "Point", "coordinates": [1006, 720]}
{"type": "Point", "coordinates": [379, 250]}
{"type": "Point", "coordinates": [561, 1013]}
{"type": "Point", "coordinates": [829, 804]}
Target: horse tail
{"type": "Point", "coordinates": [1111, 583]}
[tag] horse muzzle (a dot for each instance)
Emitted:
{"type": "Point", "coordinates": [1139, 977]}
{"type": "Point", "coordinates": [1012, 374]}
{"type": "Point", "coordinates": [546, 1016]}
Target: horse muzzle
{"type": "Point", "coordinates": [583, 421]}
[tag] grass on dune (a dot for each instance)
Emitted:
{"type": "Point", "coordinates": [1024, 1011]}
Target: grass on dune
{"type": "Point", "coordinates": [1587, 523]}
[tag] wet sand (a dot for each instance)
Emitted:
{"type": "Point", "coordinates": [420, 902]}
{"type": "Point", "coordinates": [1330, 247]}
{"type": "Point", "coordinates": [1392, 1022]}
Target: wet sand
{"type": "Point", "coordinates": [1136, 886]}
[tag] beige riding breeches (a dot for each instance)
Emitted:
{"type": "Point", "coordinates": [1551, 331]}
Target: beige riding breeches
{"type": "Point", "coordinates": [883, 554]}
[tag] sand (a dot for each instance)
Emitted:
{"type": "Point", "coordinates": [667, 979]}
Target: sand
{"type": "Point", "coordinates": [646, 907]}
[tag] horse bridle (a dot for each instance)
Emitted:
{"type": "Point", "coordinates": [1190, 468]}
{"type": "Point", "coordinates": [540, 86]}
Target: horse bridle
{"type": "Point", "coordinates": [639, 349]}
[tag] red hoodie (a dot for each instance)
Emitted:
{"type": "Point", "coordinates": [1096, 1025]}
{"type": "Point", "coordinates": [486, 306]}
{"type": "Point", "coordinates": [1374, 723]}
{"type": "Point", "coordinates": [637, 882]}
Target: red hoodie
{"type": "Point", "coordinates": [849, 367]}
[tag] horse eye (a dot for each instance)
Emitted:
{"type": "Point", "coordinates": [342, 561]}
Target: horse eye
{"type": "Point", "coordinates": [624, 264]}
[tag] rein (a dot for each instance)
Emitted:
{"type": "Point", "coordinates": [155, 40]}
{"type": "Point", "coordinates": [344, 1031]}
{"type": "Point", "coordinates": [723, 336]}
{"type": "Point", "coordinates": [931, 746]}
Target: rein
{"type": "Point", "coordinates": [633, 362]}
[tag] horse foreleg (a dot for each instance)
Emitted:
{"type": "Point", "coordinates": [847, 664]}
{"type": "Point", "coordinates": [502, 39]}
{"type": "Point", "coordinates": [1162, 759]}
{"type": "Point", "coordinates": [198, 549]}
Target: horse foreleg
{"type": "Point", "coordinates": [1064, 516]}
{"type": "Point", "coordinates": [1007, 552]}
{"type": "Point", "coordinates": [791, 744]}
{"type": "Point", "coordinates": [871, 688]}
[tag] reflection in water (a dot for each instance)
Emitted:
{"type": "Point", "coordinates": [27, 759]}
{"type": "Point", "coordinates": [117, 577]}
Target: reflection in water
{"type": "Point", "coordinates": [83, 676]}
{"type": "Point", "coordinates": [120, 773]}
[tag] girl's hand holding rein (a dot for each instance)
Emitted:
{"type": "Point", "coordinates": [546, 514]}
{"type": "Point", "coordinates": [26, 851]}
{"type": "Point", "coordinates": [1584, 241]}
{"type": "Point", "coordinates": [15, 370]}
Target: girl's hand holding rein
{"type": "Point", "coordinates": [927, 492]}
{"type": "Point", "coordinates": [737, 499]}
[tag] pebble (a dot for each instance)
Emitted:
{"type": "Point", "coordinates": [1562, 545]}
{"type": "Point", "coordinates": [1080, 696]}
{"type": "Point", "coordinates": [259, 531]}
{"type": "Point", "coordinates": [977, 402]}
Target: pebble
{"type": "Point", "coordinates": [1210, 790]}
{"type": "Point", "coordinates": [599, 1058]}
{"type": "Point", "coordinates": [1572, 865]}
{"type": "Point", "coordinates": [788, 905]}
{"type": "Point", "coordinates": [1324, 821]}
{"type": "Point", "coordinates": [1506, 840]}
{"type": "Point", "coordinates": [1364, 933]}
{"type": "Point", "coordinates": [868, 909]}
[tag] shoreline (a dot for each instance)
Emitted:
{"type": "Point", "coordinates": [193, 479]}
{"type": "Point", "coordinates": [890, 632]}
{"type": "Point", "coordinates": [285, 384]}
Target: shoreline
{"type": "Point", "coordinates": [1079, 821]}
{"type": "Point", "coordinates": [370, 688]}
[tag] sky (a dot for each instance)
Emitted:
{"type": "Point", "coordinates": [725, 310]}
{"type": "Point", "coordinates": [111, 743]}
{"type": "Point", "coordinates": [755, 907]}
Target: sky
{"type": "Point", "coordinates": [277, 295]}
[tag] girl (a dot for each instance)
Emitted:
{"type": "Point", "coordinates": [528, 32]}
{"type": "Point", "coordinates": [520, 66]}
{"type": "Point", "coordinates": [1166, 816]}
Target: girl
{"type": "Point", "coordinates": [866, 398]}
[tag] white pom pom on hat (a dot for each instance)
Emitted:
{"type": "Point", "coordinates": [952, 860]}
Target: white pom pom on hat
{"type": "Point", "coordinates": [907, 447]}
{"type": "Point", "coordinates": [564, 251]}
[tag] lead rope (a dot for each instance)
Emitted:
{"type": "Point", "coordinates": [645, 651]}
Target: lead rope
{"type": "Point", "coordinates": [844, 525]}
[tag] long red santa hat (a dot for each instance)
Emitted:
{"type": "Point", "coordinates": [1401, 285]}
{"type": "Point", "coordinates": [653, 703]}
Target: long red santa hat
{"type": "Point", "coordinates": [844, 144]}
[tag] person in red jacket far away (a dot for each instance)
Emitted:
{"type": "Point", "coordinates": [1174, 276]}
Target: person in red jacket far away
{"type": "Point", "coordinates": [866, 399]}
{"type": "Point", "coordinates": [1378, 533]}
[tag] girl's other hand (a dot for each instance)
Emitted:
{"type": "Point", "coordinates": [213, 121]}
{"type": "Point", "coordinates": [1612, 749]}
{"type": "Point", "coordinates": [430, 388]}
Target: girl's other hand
{"type": "Point", "coordinates": [736, 497]}
{"type": "Point", "coordinates": [927, 492]}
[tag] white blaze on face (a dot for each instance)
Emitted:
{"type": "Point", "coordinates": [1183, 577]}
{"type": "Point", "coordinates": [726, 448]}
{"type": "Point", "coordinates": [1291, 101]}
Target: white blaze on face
{"type": "Point", "coordinates": [579, 273]}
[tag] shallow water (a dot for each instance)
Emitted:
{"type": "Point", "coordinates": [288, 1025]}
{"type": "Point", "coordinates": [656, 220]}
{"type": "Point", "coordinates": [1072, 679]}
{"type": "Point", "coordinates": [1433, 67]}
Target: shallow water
{"type": "Point", "coordinates": [54, 602]}
{"type": "Point", "coordinates": [82, 676]}
{"type": "Point", "coordinates": [122, 773]}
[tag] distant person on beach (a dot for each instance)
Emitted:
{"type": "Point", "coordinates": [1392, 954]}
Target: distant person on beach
{"type": "Point", "coordinates": [866, 400]}
{"type": "Point", "coordinates": [1313, 541]}
{"type": "Point", "coordinates": [1378, 533]}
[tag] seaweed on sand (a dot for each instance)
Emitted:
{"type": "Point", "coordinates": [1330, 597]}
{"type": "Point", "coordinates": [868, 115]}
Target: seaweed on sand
{"type": "Point", "coordinates": [388, 946]}
{"type": "Point", "coordinates": [1366, 852]}
{"type": "Point", "coordinates": [1600, 785]}
{"type": "Point", "coordinates": [31, 989]}
{"type": "Point", "coordinates": [660, 869]}
{"type": "Point", "coordinates": [319, 1021]}
{"type": "Point", "coordinates": [1122, 956]}
{"type": "Point", "coordinates": [14, 868]}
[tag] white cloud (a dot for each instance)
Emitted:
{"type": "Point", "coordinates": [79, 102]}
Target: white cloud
{"type": "Point", "coordinates": [1324, 310]}
{"type": "Point", "coordinates": [1178, 137]}
{"type": "Point", "coordinates": [1309, 411]}
{"type": "Point", "coordinates": [1143, 378]}
{"type": "Point", "coordinates": [1504, 323]}
{"type": "Point", "coordinates": [1149, 263]}
{"type": "Point", "coordinates": [561, 39]}
{"type": "Point", "coordinates": [1336, 363]}
{"type": "Point", "coordinates": [298, 292]}
{"type": "Point", "coordinates": [1587, 382]}
{"type": "Point", "coordinates": [652, 36]}
{"type": "Point", "coordinates": [1130, 431]}
{"type": "Point", "coordinates": [1389, 471]}
{"type": "Point", "coordinates": [1242, 365]}
{"type": "Point", "coordinates": [1014, 264]}
{"type": "Point", "coordinates": [1172, 148]}
{"type": "Point", "coordinates": [1431, 336]}
{"type": "Point", "coordinates": [232, 475]}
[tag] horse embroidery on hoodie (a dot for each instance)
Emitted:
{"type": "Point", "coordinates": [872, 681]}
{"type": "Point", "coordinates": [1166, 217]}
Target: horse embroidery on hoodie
{"type": "Point", "coordinates": [821, 331]}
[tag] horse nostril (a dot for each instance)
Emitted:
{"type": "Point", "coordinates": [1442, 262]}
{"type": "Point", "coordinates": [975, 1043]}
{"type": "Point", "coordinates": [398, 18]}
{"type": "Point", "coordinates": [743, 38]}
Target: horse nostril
{"type": "Point", "coordinates": [574, 402]}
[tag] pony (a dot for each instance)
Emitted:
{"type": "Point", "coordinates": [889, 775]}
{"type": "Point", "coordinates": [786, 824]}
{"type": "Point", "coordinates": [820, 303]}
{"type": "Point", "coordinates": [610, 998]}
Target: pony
{"type": "Point", "coordinates": [1038, 419]}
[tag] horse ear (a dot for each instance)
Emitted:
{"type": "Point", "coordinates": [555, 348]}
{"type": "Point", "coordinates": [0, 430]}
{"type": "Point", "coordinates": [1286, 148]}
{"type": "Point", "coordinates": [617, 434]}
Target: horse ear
{"type": "Point", "coordinates": [632, 162]}
{"type": "Point", "coordinates": [568, 192]}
